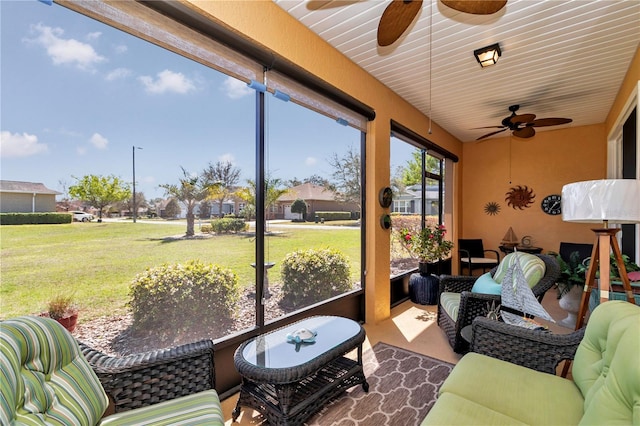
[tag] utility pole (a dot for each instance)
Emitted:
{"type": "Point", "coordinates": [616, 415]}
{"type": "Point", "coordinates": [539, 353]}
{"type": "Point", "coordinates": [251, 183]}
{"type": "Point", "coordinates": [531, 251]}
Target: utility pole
{"type": "Point", "coordinates": [135, 207]}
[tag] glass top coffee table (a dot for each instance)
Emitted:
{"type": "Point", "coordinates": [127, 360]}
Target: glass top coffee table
{"type": "Point", "coordinates": [288, 381]}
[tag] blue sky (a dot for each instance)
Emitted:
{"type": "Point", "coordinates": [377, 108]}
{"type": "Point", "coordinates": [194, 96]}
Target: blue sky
{"type": "Point", "coordinates": [77, 95]}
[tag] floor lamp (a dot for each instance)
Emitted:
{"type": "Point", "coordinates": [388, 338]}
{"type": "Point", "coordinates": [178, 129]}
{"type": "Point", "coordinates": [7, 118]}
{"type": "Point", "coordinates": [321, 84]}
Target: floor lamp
{"type": "Point", "coordinates": [602, 201]}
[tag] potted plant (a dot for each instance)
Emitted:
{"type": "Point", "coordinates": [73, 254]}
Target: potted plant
{"type": "Point", "coordinates": [63, 309]}
{"type": "Point", "coordinates": [428, 244]}
{"type": "Point", "coordinates": [570, 285]}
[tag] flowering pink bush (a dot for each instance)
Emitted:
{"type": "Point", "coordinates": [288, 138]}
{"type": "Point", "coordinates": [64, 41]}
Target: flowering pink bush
{"type": "Point", "coordinates": [427, 244]}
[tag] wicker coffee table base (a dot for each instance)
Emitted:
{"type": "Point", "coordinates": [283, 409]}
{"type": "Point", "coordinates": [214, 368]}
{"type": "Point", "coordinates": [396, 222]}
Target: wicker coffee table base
{"type": "Point", "coordinates": [293, 403]}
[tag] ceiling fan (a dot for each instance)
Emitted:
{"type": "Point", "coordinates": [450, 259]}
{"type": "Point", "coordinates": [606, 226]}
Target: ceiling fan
{"type": "Point", "coordinates": [399, 14]}
{"type": "Point", "coordinates": [522, 126]}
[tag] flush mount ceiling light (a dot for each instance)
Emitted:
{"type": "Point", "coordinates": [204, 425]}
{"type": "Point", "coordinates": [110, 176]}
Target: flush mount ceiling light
{"type": "Point", "coordinates": [488, 55]}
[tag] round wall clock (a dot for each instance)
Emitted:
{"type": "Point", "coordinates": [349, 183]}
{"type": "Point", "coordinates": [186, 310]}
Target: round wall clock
{"type": "Point", "coordinates": [551, 204]}
{"type": "Point", "coordinates": [385, 197]}
{"type": "Point", "coordinates": [520, 197]}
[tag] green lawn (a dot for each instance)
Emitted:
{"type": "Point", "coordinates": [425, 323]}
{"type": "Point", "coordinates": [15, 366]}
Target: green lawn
{"type": "Point", "coordinates": [97, 261]}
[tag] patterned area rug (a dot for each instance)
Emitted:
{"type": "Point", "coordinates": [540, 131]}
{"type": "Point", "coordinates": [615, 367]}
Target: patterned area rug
{"type": "Point", "coordinates": [402, 389]}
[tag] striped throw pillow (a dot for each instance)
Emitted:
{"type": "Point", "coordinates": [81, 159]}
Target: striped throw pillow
{"type": "Point", "coordinates": [532, 266]}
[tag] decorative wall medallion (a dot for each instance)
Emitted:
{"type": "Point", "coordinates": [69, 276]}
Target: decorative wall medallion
{"type": "Point", "coordinates": [520, 197]}
{"type": "Point", "coordinates": [385, 221]}
{"type": "Point", "coordinates": [385, 197]}
{"type": "Point", "coordinates": [492, 208]}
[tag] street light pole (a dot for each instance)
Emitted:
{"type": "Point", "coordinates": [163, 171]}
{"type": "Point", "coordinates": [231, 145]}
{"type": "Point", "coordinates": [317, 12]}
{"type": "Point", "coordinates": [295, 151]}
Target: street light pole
{"type": "Point", "coordinates": [135, 208]}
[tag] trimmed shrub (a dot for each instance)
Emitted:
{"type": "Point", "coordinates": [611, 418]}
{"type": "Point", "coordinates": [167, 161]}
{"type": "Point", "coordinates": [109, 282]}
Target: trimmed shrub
{"type": "Point", "coordinates": [313, 275]}
{"type": "Point", "coordinates": [206, 229]}
{"type": "Point", "coordinates": [178, 302]}
{"type": "Point", "coordinates": [226, 225]}
{"type": "Point", "coordinates": [34, 218]}
{"type": "Point", "coordinates": [299, 206]}
{"type": "Point", "coordinates": [327, 216]}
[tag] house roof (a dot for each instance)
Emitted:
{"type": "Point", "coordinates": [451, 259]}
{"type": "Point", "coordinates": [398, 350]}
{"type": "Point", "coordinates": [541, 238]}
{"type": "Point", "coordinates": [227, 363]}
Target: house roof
{"type": "Point", "coordinates": [26, 187]}
{"type": "Point", "coordinates": [308, 192]}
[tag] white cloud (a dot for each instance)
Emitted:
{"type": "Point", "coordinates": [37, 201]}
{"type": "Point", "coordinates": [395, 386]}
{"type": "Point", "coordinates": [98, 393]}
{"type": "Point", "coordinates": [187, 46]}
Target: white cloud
{"type": "Point", "coordinates": [118, 73]}
{"type": "Point", "coordinates": [310, 161]}
{"type": "Point", "coordinates": [81, 150]}
{"type": "Point", "coordinates": [121, 48]}
{"type": "Point", "coordinates": [236, 89]}
{"type": "Point", "coordinates": [227, 158]}
{"type": "Point", "coordinates": [167, 81]}
{"type": "Point", "coordinates": [98, 141]}
{"type": "Point", "coordinates": [65, 51]}
{"type": "Point", "coordinates": [20, 145]}
{"type": "Point", "coordinates": [94, 36]}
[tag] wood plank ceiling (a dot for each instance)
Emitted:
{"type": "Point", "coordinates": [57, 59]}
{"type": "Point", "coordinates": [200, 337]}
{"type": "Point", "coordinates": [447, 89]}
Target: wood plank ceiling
{"type": "Point", "coordinates": [559, 58]}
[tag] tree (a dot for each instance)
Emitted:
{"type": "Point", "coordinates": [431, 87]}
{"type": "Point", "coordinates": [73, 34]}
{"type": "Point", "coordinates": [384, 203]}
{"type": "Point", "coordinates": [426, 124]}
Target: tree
{"type": "Point", "coordinates": [100, 191]}
{"type": "Point", "coordinates": [205, 209]}
{"type": "Point", "coordinates": [299, 206]}
{"type": "Point", "coordinates": [141, 202]}
{"type": "Point", "coordinates": [293, 182]}
{"type": "Point", "coordinates": [319, 180]}
{"type": "Point", "coordinates": [172, 209]}
{"type": "Point", "coordinates": [190, 191]}
{"type": "Point", "coordinates": [413, 171]}
{"type": "Point", "coordinates": [347, 177]}
{"type": "Point", "coordinates": [223, 178]}
{"type": "Point", "coordinates": [273, 191]}
{"type": "Point", "coordinates": [65, 201]}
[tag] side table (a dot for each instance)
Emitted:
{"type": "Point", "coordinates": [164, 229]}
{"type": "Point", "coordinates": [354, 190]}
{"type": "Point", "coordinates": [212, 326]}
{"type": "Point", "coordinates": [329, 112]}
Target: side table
{"type": "Point", "coordinates": [524, 249]}
{"type": "Point", "coordinates": [423, 289]}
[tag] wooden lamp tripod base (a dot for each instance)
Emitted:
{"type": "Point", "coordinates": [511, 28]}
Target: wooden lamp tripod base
{"type": "Point", "coordinates": [605, 242]}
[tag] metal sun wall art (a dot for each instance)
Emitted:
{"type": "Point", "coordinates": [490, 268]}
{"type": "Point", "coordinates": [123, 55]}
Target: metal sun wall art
{"type": "Point", "coordinates": [492, 208]}
{"type": "Point", "coordinates": [520, 197]}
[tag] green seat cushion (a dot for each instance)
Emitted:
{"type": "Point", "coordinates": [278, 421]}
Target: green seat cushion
{"type": "Point", "coordinates": [517, 392]}
{"type": "Point", "coordinates": [202, 408]}
{"type": "Point", "coordinates": [607, 365]}
{"type": "Point", "coordinates": [485, 284]}
{"type": "Point", "coordinates": [452, 409]}
{"type": "Point", "coordinates": [44, 378]}
{"type": "Point", "coordinates": [450, 302]}
{"type": "Point", "coordinates": [532, 266]}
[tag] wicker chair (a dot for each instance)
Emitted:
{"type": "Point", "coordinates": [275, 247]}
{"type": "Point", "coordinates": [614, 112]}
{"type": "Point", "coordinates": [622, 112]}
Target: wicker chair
{"type": "Point", "coordinates": [535, 349]}
{"type": "Point", "coordinates": [139, 380]}
{"type": "Point", "coordinates": [47, 378]}
{"type": "Point", "coordinates": [473, 305]}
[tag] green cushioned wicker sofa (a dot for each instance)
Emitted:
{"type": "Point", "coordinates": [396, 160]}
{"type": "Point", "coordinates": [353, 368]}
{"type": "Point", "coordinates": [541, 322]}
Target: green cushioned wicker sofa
{"type": "Point", "coordinates": [45, 378]}
{"type": "Point", "coordinates": [604, 390]}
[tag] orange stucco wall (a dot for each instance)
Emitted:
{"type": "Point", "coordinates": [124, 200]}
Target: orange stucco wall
{"type": "Point", "coordinates": [544, 164]}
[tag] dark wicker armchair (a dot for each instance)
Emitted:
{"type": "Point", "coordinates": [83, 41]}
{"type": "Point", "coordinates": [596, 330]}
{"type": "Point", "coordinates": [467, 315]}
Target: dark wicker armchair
{"type": "Point", "coordinates": [473, 305]}
{"type": "Point", "coordinates": [535, 349]}
{"type": "Point", "coordinates": [147, 378]}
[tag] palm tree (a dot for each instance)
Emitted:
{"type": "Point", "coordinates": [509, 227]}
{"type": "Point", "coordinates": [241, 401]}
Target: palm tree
{"type": "Point", "coordinates": [273, 191]}
{"type": "Point", "coordinates": [190, 191]}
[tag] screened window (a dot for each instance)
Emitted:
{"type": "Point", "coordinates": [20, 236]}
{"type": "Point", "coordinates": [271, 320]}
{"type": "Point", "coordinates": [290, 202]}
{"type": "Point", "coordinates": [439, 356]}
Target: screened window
{"type": "Point", "coordinates": [190, 112]}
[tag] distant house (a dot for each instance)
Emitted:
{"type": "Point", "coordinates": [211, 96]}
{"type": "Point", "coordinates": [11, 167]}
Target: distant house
{"type": "Point", "coordinates": [318, 198]}
{"type": "Point", "coordinates": [408, 201]}
{"type": "Point", "coordinates": [26, 197]}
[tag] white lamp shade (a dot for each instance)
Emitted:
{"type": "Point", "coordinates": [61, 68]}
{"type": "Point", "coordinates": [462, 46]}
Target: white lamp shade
{"type": "Point", "coordinates": [594, 201]}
